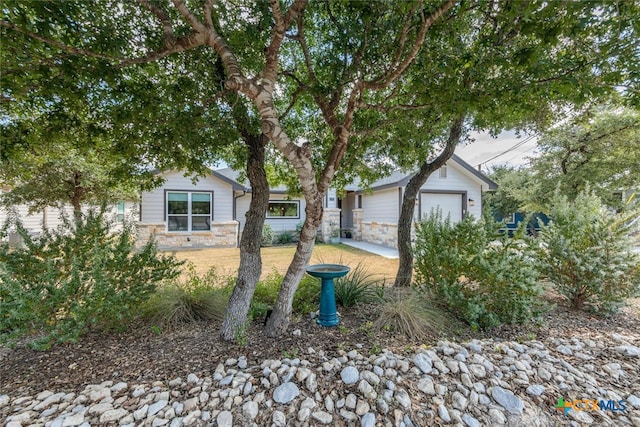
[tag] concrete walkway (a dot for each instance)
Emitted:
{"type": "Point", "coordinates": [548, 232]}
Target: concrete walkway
{"type": "Point", "coordinates": [383, 251]}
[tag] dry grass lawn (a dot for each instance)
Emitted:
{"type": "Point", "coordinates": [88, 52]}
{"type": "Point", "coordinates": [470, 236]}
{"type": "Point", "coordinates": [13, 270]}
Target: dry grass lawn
{"type": "Point", "coordinates": [277, 258]}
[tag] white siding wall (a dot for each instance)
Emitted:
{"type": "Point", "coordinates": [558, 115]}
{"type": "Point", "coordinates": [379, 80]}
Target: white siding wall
{"type": "Point", "coordinates": [381, 206]}
{"type": "Point", "coordinates": [51, 218]}
{"type": "Point", "coordinates": [277, 224]}
{"type": "Point", "coordinates": [153, 202]}
{"type": "Point", "coordinates": [458, 179]}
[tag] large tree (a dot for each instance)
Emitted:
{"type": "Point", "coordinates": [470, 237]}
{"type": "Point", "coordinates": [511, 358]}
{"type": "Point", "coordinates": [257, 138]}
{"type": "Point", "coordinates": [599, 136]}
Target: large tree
{"type": "Point", "coordinates": [599, 149]}
{"type": "Point", "coordinates": [519, 65]}
{"type": "Point", "coordinates": [350, 66]}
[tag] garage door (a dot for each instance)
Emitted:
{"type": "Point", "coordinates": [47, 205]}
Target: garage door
{"type": "Point", "coordinates": [449, 204]}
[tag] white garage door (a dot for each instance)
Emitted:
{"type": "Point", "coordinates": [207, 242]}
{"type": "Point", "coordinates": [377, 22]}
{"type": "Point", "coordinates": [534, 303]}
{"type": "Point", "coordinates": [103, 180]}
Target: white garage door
{"type": "Point", "coordinates": [449, 204]}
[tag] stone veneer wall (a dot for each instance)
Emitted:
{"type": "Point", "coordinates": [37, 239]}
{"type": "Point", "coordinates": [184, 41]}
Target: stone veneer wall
{"type": "Point", "coordinates": [379, 233]}
{"type": "Point", "coordinates": [357, 224]}
{"type": "Point", "coordinates": [329, 216]}
{"type": "Point", "coordinates": [222, 234]}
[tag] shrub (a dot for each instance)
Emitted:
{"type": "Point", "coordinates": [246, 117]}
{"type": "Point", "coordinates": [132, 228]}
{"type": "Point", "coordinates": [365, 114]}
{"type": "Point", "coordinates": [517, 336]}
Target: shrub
{"type": "Point", "coordinates": [358, 286]}
{"type": "Point", "coordinates": [192, 299]}
{"type": "Point", "coordinates": [484, 277]}
{"type": "Point", "coordinates": [267, 235]}
{"type": "Point", "coordinates": [265, 295]}
{"type": "Point", "coordinates": [305, 300]}
{"type": "Point", "coordinates": [284, 238]}
{"type": "Point", "coordinates": [307, 297]}
{"type": "Point", "coordinates": [76, 278]}
{"type": "Point", "coordinates": [586, 253]}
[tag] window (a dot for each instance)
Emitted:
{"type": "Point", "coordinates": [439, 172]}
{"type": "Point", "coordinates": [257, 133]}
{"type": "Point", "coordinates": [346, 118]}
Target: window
{"type": "Point", "coordinates": [188, 211]}
{"type": "Point", "coordinates": [281, 209]}
{"type": "Point", "coordinates": [443, 171]}
{"type": "Point", "coordinates": [120, 212]}
{"type": "Point", "coordinates": [359, 203]}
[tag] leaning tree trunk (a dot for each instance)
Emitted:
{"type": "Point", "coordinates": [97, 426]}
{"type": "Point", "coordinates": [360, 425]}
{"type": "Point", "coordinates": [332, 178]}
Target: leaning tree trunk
{"type": "Point", "coordinates": [405, 252]}
{"type": "Point", "coordinates": [250, 267]}
{"type": "Point", "coordinates": [280, 317]}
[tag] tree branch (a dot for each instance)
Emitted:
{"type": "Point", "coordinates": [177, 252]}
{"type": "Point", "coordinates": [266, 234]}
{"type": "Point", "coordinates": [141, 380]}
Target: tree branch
{"type": "Point", "coordinates": [63, 47]}
{"type": "Point", "coordinates": [164, 18]}
{"type": "Point", "coordinates": [388, 78]}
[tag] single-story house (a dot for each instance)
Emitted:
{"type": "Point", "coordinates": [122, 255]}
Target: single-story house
{"type": "Point", "coordinates": [210, 211]}
{"type": "Point", "coordinates": [455, 189]}
{"type": "Point", "coordinates": [50, 218]}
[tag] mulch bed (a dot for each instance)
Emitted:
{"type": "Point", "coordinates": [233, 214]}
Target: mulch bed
{"type": "Point", "coordinates": [140, 355]}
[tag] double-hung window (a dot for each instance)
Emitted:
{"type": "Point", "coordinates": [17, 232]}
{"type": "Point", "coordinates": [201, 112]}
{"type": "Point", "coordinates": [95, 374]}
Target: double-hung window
{"type": "Point", "coordinates": [189, 211]}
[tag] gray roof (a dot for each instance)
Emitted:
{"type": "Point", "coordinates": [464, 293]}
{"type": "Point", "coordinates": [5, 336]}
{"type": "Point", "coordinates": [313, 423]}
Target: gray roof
{"type": "Point", "coordinates": [396, 179]}
{"type": "Point", "coordinates": [400, 178]}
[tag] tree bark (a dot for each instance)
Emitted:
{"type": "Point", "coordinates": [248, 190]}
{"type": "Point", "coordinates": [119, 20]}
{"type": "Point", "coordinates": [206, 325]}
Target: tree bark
{"type": "Point", "coordinates": [280, 317]}
{"type": "Point", "coordinates": [405, 252]}
{"type": "Point", "coordinates": [250, 267]}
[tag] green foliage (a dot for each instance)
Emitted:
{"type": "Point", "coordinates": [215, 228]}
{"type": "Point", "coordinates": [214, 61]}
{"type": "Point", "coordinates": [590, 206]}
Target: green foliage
{"type": "Point", "coordinates": [484, 277]}
{"type": "Point", "coordinates": [189, 300]}
{"type": "Point", "coordinates": [599, 149]}
{"type": "Point", "coordinates": [307, 297]}
{"type": "Point", "coordinates": [586, 253]}
{"type": "Point", "coordinates": [76, 278]}
{"type": "Point", "coordinates": [358, 286]}
{"type": "Point", "coordinates": [265, 295]}
{"type": "Point", "coordinates": [284, 238]}
{"type": "Point", "coordinates": [267, 235]}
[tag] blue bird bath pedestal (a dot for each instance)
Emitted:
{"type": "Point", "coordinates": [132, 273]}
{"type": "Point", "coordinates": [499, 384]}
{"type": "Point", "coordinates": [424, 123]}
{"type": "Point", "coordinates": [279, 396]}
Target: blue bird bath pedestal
{"type": "Point", "coordinates": [327, 272]}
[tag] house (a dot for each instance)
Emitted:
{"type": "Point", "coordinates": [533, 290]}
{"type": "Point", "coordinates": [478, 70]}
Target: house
{"type": "Point", "coordinates": [372, 215]}
{"type": "Point", "coordinates": [210, 211]}
{"type": "Point", "coordinates": [50, 218]}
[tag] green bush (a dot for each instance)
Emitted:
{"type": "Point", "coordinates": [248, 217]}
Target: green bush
{"type": "Point", "coordinates": [307, 297]}
{"type": "Point", "coordinates": [191, 299]}
{"type": "Point", "coordinates": [284, 238]}
{"type": "Point", "coordinates": [484, 277]}
{"type": "Point", "coordinates": [267, 235]}
{"type": "Point", "coordinates": [358, 286]}
{"type": "Point", "coordinates": [305, 300]}
{"type": "Point", "coordinates": [76, 278]}
{"type": "Point", "coordinates": [265, 295]}
{"type": "Point", "coordinates": [586, 253]}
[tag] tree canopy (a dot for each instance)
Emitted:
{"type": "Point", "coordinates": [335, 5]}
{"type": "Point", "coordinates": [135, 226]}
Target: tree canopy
{"type": "Point", "coordinates": [327, 80]}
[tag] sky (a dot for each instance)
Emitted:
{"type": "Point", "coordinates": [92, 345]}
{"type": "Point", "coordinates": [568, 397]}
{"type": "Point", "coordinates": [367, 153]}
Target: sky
{"type": "Point", "coordinates": [507, 148]}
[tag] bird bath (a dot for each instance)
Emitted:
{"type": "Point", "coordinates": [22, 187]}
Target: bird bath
{"type": "Point", "coordinates": [327, 272]}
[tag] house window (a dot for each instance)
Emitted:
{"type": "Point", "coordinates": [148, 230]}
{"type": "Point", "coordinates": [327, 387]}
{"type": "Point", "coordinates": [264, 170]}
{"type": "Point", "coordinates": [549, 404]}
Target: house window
{"type": "Point", "coordinates": [443, 171]}
{"type": "Point", "coordinates": [120, 212]}
{"type": "Point", "coordinates": [188, 211]}
{"type": "Point", "coordinates": [280, 209]}
{"type": "Point", "coordinates": [359, 203]}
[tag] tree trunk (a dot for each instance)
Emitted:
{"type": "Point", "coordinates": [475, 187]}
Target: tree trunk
{"type": "Point", "coordinates": [280, 317]}
{"type": "Point", "coordinates": [405, 252]}
{"type": "Point", "coordinates": [76, 198]}
{"type": "Point", "coordinates": [250, 267]}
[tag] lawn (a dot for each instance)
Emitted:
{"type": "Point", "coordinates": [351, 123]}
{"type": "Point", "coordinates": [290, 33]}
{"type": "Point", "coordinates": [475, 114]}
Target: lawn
{"type": "Point", "coordinates": [226, 260]}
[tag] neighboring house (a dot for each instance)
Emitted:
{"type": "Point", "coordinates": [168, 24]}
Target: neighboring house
{"type": "Point", "coordinates": [50, 218]}
{"type": "Point", "coordinates": [455, 189]}
{"type": "Point", "coordinates": [513, 221]}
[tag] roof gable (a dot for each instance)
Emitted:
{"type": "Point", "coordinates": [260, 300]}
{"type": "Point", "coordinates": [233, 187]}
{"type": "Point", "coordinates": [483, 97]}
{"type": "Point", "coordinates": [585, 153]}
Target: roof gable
{"type": "Point", "coordinates": [400, 179]}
